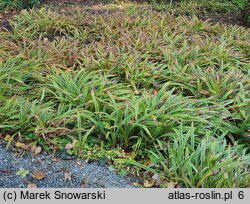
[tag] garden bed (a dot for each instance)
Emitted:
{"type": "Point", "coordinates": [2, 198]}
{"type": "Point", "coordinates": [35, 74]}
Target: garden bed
{"type": "Point", "coordinates": [152, 90]}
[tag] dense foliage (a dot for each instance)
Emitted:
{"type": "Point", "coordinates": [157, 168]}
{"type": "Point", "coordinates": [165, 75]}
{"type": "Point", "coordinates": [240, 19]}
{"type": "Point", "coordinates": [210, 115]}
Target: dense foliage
{"type": "Point", "coordinates": [244, 6]}
{"type": "Point", "coordinates": [173, 92]}
{"type": "Point", "coordinates": [5, 4]}
{"type": "Point", "coordinates": [221, 5]}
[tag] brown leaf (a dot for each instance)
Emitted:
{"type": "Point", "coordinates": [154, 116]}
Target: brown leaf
{"type": "Point", "coordinates": [36, 150]}
{"type": "Point", "coordinates": [136, 184]}
{"type": "Point", "coordinates": [148, 183]}
{"type": "Point", "coordinates": [18, 144]}
{"type": "Point", "coordinates": [7, 138]}
{"type": "Point", "coordinates": [171, 184]}
{"type": "Point", "coordinates": [45, 40]}
{"type": "Point", "coordinates": [56, 147]}
{"type": "Point", "coordinates": [22, 146]}
{"type": "Point", "coordinates": [54, 159]}
{"type": "Point", "coordinates": [84, 183]}
{"type": "Point", "coordinates": [67, 176]}
{"type": "Point", "coordinates": [69, 146]}
{"type": "Point", "coordinates": [155, 91]}
{"type": "Point", "coordinates": [32, 185]}
{"type": "Point", "coordinates": [79, 163]}
{"type": "Point", "coordinates": [148, 162]}
{"type": "Point", "coordinates": [39, 175]}
{"type": "Point", "coordinates": [123, 154]}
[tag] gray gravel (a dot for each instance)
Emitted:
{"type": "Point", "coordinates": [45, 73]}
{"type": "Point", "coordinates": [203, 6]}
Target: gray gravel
{"type": "Point", "coordinates": [83, 174]}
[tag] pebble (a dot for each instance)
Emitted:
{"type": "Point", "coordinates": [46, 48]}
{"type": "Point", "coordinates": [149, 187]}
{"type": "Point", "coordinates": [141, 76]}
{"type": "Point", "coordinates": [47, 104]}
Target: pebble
{"type": "Point", "coordinates": [92, 174]}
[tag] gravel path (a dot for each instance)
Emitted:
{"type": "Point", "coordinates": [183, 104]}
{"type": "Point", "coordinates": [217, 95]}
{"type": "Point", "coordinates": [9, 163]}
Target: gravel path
{"type": "Point", "coordinates": [82, 174]}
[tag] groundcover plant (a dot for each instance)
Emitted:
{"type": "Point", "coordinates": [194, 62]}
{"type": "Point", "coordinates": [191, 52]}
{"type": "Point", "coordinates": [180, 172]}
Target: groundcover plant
{"type": "Point", "coordinates": [143, 88]}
